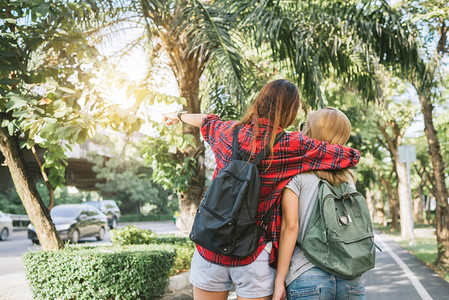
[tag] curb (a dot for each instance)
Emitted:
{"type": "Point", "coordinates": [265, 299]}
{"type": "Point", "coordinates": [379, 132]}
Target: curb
{"type": "Point", "coordinates": [179, 288]}
{"type": "Point", "coordinates": [179, 282]}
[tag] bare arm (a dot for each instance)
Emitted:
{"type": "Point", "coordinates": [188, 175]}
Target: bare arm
{"type": "Point", "coordinates": [287, 241]}
{"type": "Point", "coordinates": [192, 119]}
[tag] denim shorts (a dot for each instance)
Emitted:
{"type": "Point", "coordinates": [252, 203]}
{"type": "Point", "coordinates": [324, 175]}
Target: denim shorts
{"type": "Point", "coordinates": [251, 281]}
{"type": "Point", "coordinates": [318, 284]}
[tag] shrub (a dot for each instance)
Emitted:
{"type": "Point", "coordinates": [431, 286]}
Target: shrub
{"type": "Point", "coordinates": [183, 260]}
{"type": "Point", "coordinates": [131, 235]}
{"type": "Point", "coordinates": [184, 251]}
{"type": "Point", "coordinates": [132, 272]}
{"type": "Point", "coordinates": [172, 239]}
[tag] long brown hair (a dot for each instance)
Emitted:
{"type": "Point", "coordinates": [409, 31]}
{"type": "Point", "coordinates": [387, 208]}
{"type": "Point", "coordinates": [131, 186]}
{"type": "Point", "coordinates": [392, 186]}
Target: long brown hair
{"type": "Point", "coordinates": [330, 125]}
{"type": "Point", "coordinates": [278, 101]}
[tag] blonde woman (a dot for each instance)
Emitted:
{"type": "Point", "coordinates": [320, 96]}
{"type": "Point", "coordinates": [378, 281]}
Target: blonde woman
{"type": "Point", "coordinates": [302, 278]}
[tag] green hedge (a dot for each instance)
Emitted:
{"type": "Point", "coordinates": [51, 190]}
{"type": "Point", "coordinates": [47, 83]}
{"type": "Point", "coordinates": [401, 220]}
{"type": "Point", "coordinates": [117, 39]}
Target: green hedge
{"type": "Point", "coordinates": [142, 218]}
{"type": "Point", "coordinates": [171, 239]}
{"type": "Point", "coordinates": [131, 272]}
{"type": "Point", "coordinates": [184, 251]}
{"type": "Point", "coordinates": [131, 235]}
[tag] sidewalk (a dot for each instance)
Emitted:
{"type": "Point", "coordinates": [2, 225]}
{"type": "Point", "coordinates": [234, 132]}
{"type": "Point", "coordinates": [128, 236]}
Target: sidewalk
{"type": "Point", "coordinates": [14, 287]}
{"type": "Point", "coordinates": [398, 275]}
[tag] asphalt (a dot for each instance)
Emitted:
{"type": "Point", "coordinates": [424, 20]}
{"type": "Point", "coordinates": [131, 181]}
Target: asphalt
{"type": "Point", "coordinates": [397, 275]}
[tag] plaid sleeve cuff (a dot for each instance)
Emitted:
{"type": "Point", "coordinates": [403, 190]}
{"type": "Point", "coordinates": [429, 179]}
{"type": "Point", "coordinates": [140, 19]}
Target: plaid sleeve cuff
{"type": "Point", "coordinates": [209, 125]}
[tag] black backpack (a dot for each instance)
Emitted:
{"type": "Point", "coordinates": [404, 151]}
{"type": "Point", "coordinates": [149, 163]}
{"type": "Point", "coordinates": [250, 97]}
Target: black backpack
{"type": "Point", "coordinates": [225, 221]}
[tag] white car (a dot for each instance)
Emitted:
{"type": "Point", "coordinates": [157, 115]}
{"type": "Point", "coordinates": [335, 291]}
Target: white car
{"type": "Point", "coordinates": [5, 226]}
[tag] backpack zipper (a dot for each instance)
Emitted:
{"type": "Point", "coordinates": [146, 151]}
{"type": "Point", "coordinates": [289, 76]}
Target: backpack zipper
{"type": "Point", "coordinates": [233, 176]}
{"type": "Point", "coordinates": [214, 213]}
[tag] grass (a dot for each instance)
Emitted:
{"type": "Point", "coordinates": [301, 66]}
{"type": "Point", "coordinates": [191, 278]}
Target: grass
{"type": "Point", "coordinates": [425, 248]}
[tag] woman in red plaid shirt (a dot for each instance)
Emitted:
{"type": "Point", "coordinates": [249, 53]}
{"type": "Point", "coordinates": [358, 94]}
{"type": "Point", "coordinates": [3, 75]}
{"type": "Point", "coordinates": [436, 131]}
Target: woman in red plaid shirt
{"type": "Point", "coordinates": [275, 108]}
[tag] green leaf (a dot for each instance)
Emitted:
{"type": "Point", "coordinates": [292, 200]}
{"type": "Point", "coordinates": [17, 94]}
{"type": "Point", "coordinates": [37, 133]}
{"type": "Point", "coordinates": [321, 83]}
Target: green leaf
{"type": "Point", "coordinates": [50, 120]}
{"type": "Point", "coordinates": [9, 20]}
{"type": "Point", "coordinates": [82, 137]}
{"type": "Point", "coordinates": [15, 102]}
{"type": "Point", "coordinates": [59, 105]}
{"type": "Point", "coordinates": [140, 95]}
{"type": "Point", "coordinates": [60, 114]}
{"type": "Point", "coordinates": [65, 132]}
{"type": "Point", "coordinates": [23, 144]}
{"type": "Point", "coordinates": [11, 128]}
{"type": "Point", "coordinates": [47, 129]}
{"type": "Point", "coordinates": [189, 139]}
{"type": "Point", "coordinates": [41, 10]}
{"type": "Point", "coordinates": [67, 90]}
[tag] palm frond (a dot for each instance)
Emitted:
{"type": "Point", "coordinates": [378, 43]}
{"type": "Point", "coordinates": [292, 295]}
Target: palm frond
{"type": "Point", "coordinates": [209, 30]}
{"type": "Point", "coordinates": [319, 38]}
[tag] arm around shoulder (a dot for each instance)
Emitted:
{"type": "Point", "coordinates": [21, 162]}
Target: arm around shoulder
{"type": "Point", "coordinates": [331, 157]}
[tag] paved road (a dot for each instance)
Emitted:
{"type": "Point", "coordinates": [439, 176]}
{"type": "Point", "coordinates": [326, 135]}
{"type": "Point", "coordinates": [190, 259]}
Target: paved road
{"type": "Point", "coordinates": [400, 275]}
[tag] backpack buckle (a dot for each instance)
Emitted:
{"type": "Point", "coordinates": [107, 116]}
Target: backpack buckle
{"type": "Point", "coordinates": [263, 225]}
{"type": "Point", "coordinates": [344, 220]}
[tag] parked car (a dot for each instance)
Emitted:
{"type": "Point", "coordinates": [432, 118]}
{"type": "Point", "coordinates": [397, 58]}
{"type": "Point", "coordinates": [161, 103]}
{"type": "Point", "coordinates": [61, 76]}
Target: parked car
{"type": "Point", "coordinates": [5, 226]}
{"type": "Point", "coordinates": [75, 221]}
{"type": "Point", "coordinates": [110, 209]}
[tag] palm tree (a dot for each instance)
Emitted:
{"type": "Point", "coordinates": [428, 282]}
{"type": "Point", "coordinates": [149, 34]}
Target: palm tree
{"type": "Point", "coordinates": [190, 36]}
{"type": "Point", "coordinates": [317, 40]}
{"type": "Point", "coordinates": [310, 40]}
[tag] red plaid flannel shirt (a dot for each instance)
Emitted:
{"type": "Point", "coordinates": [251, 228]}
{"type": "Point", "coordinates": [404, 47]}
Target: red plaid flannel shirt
{"type": "Point", "coordinates": [295, 153]}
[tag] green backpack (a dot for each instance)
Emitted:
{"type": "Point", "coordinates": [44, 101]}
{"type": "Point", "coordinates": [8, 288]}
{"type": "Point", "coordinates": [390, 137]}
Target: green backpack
{"type": "Point", "coordinates": [339, 238]}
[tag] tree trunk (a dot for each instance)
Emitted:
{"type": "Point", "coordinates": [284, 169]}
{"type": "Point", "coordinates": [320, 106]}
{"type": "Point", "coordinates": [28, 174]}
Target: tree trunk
{"type": "Point", "coordinates": [419, 205]}
{"type": "Point", "coordinates": [51, 190]}
{"type": "Point", "coordinates": [440, 190]}
{"type": "Point", "coordinates": [393, 143]}
{"type": "Point", "coordinates": [37, 211]}
{"type": "Point", "coordinates": [380, 216]}
{"type": "Point", "coordinates": [404, 200]}
{"type": "Point", "coordinates": [393, 203]}
{"type": "Point", "coordinates": [371, 203]}
{"type": "Point", "coordinates": [379, 206]}
{"type": "Point", "coordinates": [429, 212]}
{"type": "Point", "coordinates": [394, 213]}
{"type": "Point", "coordinates": [189, 200]}
{"type": "Point", "coordinates": [424, 86]}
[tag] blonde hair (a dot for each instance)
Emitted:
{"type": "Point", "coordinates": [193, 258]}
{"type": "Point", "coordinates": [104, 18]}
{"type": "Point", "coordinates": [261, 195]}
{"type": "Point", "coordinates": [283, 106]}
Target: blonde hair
{"type": "Point", "coordinates": [330, 125]}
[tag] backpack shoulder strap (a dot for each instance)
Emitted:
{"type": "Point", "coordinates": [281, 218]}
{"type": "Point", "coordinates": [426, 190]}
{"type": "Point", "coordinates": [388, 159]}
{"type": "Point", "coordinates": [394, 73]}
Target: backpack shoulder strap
{"type": "Point", "coordinates": [267, 149]}
{"type": "Point", "coordinates": [235, 144]}
{"type": "Point", "coordinates": [237, 154]}
{"type": "Point", "coordinates": [329, 186]}
{"type": "Point", "coordinates": [267, 216]}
